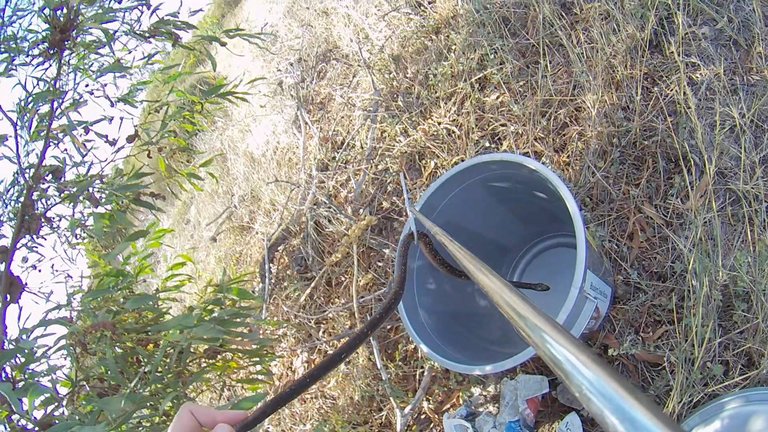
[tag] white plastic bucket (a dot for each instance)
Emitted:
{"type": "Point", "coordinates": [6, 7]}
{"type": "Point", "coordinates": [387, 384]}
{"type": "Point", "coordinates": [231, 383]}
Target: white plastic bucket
{"type": "Point", "coordinates": [520, 218]}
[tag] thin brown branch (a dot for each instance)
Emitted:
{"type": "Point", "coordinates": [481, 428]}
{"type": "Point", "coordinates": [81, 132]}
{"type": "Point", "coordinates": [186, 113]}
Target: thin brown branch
{"type": "Point", "coordinates": [355, 275]}
{"type": "Point", "coordinates": [374, 115]}
{"type": "Point", "coordinates": [402, 417]}
{"type": "Point", "coordinates": [27, 203]}
{"type": "Point", "coordinates": [226, 209]}
{"type": "Point", "coordinates": [374, 119]}
{"type": "Point", "coordinates": [387, 384]}
{"type": "Point", "coordinates": [265, 295]}
{"type": "Point", "coordinates": [420, 394]}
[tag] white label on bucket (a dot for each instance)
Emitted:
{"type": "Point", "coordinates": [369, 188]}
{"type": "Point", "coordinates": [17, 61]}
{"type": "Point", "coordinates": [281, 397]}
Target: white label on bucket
{"type": "Point", "coordinates": [600, 293]}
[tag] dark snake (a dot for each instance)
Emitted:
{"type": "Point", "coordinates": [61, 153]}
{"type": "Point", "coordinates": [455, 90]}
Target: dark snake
{"type": "Point", "coordinates": [343, 352]}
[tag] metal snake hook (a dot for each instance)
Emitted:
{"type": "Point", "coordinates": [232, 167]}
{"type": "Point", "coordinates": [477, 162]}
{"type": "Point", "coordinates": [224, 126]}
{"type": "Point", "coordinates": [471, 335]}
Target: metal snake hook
{"type": "Point", "coordinates": [408, 205]}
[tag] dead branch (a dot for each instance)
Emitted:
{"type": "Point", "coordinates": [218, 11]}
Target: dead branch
{"type": "Point", "coordinates": [355, 275]}
{"type": "Point", "coordinates": [402, 417]}
{"type": "Point", "coordinates": [420, 394]}
{"type": "Point", "coordinates": [374, 119]}
{"type": "Point", "coordinates": [280, 236]}
{"type": "Point", "coordinates": [385, 379]}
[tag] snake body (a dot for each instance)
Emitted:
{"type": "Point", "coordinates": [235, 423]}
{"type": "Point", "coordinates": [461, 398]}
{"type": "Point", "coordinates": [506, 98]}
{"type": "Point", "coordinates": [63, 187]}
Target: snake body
{"type": "Point", "coordinates": [437, 260]}
{"type": "Point", "coordinates": [342, 353]}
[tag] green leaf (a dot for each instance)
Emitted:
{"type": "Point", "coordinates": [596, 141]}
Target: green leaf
{"type": "Point", "coordinates": [208, 162]}
{"type": "Point", "coordinates": [177, 266]}
{"type": "Point", "coordinates": [131, 102]}
{"type": "Point", "coordinates": [195, 186]}
{"type": "Point", "coordinates": [115, 68]}
{"type": "Point", "coordinates": [208, 330]}
{"type": "Point", "coordinates": [180, 322]}
{"type": "Point", "coordinates": [255, 80]}
{"type": "Point", "coordinates": [97, 428]}
{"type": "Point", "coordinates": [96, 294]}
{"type": "Point", "coordinates": [140, 300]}
{"type": "Point", "coordinates": [114, 253]}
{"type": "Point", "coordinates": [138, 175]}
{"type": "Point", "coordinates": [145, 204]}
{"type": "Point", "coordinates": [67, 426]}
{"type": "Point", "coordinates": [126, 188]}
{"type": "Point", "coordinates": [35, 392]}
{"type": "Point", "coordinates": [52, 322]}
{"type": "Point", "coordinates": [113, 405]}
{"type": "Point", "coordinates": [168, 400]}
{"type": "Point", "coordinates": [248, 402]}
{"type": "Point", "coordinates": [242, 294]}
{"type": "Point", "coordinates": [213, 90]}
{"type": "Point", "coordinates": [210, 58]}
{"type": "Point", "coordinates": [210, 38]}
{"type": "Point", "coordinates": [186, 258]}
{"type": "Point", "coordinates": [9, 354]}
{"type": "Point", "coordinates": [161, 164]}
{"type": "Point", "coordinates": [253, 381]}
{"type": "Point", "coordinates": [160, 233]}
{"type": "Point", "coordinates": [6, 389]}
{"type": "Point", "coordinates": [136, 235]}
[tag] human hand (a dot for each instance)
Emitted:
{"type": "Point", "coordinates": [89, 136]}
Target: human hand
{"type": "Point", "coordinates": [192, 417]}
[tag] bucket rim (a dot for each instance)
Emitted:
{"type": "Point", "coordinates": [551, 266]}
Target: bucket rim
{"type": "Point", "coordinates": [725, 403]}
{"type": "Point", "coordinates": [578, 276]}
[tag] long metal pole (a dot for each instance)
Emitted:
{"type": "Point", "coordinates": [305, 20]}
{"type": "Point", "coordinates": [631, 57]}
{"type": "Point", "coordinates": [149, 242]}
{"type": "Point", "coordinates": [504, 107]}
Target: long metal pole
{"type": "Point", "coordinates": [610, 399]}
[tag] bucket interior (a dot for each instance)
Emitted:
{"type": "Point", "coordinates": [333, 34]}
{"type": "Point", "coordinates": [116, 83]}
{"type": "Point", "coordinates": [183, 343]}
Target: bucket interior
{"type": "Point", "coordinates": [514, 219]}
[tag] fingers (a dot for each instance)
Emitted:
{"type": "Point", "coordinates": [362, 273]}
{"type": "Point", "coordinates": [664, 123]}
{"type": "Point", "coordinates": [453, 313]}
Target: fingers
{"type": "Point", "coordinates": [223, 428]}
{"type": "Point", "coordinates": [193, 418]}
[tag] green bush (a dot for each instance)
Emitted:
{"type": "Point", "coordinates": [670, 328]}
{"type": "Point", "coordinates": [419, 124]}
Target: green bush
{"type": "Point", "coordinates": [129, 342]}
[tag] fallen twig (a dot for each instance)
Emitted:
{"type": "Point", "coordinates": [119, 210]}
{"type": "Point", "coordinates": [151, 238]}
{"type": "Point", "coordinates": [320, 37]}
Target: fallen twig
{"type": "Point", "coordinates": [218, 216]}
{"type": "Point", "coordinates": [355, 306]}
{"type": "Point", "coordinates": [374, 118]}
{"type": "Point", "coordinates": [420, 394]}
{"type": "Point", "coordinates": [279, 236]}
{"type": "Point", "coordinates": [402, 417]}
{"type": "Point", "coordinates": [265, 292]}
{"type": "Point", "coordinates": [314, 283]}
{"type": "Point", "coordinates": [387, 384]}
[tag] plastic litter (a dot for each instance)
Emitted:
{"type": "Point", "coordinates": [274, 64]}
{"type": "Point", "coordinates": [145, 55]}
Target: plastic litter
{"type": "Point", "coordinates": [520, 401]}
{"type": "Point", "coordinates": [459, 421]}
{"type": "Point", "coordinates": [571, 423]}
{"type": "Point", "coordinates": [566, 397]}
{"type": "Point", "coordinates": [486, 422]}
{"type": "Point", "coordinates": [457, 425]}
{"type": "Point", "coordinates": [518, 405]}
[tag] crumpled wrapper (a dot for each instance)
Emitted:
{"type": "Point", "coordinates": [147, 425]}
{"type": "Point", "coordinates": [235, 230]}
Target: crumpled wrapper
{"type": "Point", "coordinates": [520, 400]}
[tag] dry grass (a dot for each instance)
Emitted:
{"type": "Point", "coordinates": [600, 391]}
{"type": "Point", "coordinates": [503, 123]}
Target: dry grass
{"type": "Point", "coordinates": [654, 111]}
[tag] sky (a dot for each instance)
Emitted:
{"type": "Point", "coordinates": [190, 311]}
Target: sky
{"type": "Point", "coordinates": [44, 281]}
